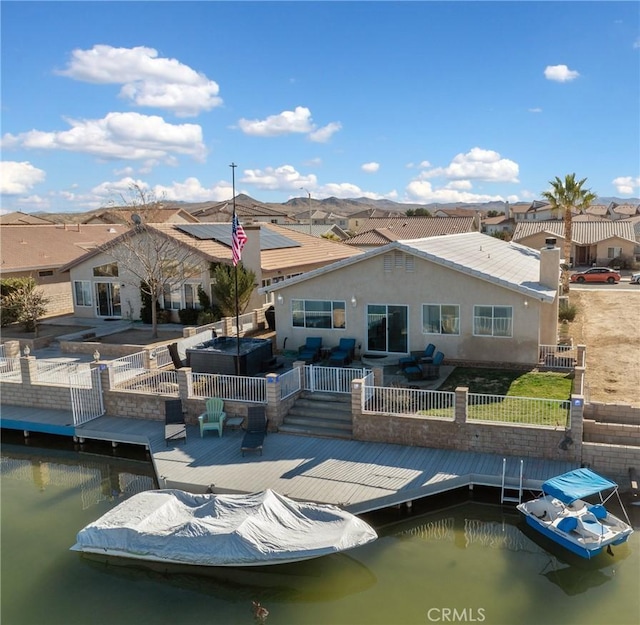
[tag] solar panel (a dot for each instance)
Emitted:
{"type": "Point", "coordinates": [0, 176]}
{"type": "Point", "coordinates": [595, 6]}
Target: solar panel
{"type": "Point", "coordinates": [269, 239]}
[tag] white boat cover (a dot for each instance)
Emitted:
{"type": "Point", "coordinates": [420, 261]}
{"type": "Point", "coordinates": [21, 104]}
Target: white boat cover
{"type": "Point", "coordinates": [222, 530]}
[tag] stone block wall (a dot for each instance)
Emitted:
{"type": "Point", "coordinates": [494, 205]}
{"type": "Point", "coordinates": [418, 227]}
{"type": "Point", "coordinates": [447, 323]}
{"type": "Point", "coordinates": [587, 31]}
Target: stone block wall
{"type": "Point", "coordinates": [612, 461]}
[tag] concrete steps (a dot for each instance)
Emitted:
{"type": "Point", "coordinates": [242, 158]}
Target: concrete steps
{"type": "Point", "coordinates": [320, 414]}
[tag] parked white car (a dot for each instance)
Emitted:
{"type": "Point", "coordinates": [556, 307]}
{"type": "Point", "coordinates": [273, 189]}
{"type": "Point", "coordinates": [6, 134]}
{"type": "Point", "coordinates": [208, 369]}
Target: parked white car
{"type": "Point", "coordinates": [635, 278]}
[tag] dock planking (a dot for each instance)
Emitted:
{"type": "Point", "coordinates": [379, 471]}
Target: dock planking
{"type": "Point", "coordinates": [359, 476]}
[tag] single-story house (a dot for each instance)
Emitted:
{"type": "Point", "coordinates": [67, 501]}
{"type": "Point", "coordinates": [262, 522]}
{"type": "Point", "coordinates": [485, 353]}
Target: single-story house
{"type": "Point", "coordinates": [593, 242]}
{"type": "Point", "coordinates": [104, 288]}
{"type": "Point", "coordinates": [39, 251]}
{"type": "Point", "coordinates": [477, 298]}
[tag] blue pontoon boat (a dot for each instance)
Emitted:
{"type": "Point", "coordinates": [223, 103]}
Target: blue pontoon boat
{"type": "Point", "coordinates": [562, 514]}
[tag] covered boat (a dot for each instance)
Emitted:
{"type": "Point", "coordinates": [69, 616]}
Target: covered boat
{"type": "Point", "coordinates": [562, 515]}
{"type": "Point", "coordinates": [173, 526]}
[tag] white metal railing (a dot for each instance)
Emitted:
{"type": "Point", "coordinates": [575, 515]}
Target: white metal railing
{"type": "Point", "coordinates": [246, 324]}
{"type": "Point", "coordinates": [290, 382]}
{"type": "Point", "coordinates": [86, 401]}
{"type": "Point", "coordinates": [125, 368]}
{"type": "Point", "coordinates": [558, 356]}
{"type": "Point", "coordinates": [331, 379]}
{"type": "Point", "coordinates": [518, 410]}
{"type": "Point", "coordinates": [402, 401]}
{"type": "Point", "coordinates": [367, 387]}
{"type": "Point", "coordinates": [1, 350]}
{"type": "Point", "coordinates": [230, 387]}
{"type": "Point", "coordinates": [56, 373]}
{"type": "Point", "coordinates": [10, 370]}
{"type": "Point", "coordinates": [152, 381]}
{"type": "Point", "coordinates": [163, 357]}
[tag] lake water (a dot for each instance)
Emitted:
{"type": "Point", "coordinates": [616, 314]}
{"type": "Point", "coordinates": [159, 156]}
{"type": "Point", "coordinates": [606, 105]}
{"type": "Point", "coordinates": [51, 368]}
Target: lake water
{"type": "Point", "coordinates": [466, 563]}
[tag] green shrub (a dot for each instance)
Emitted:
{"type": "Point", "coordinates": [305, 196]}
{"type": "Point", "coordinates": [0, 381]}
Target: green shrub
{"type": "Point", "coordinates": [567, 312]}
{"type": "Point", "coordinates": [188, 316]}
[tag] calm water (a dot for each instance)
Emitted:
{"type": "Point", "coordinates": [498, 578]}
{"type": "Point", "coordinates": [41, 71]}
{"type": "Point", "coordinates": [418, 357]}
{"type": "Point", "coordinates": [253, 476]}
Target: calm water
{"type": "Point", "coordinates": [471, 557]}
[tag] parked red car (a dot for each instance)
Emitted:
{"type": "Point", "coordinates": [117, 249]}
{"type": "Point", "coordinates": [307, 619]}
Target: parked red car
{"type": "Point", "coordinates": [596, 274]}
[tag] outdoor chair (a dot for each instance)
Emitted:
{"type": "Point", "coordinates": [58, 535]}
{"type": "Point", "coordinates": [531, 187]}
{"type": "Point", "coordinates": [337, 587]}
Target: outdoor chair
{"type": "Point", "coordinates": [256, 430]}
{"type": "Point", "coordinates": [214, 417]}
{"type": "Point", "coordinates": [343, 353]}
{"type": "Point", "coordinates": [310, 351]}
{"type": "Point", "coordinates": [175, 427]}
{"type": "Point", "coordinates": [418, 357]}
{"type": "Point", "coordinates": [425, 370]}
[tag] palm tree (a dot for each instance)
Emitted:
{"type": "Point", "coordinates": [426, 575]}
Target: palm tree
{"type": "Point", "coordinates": [565, 197]}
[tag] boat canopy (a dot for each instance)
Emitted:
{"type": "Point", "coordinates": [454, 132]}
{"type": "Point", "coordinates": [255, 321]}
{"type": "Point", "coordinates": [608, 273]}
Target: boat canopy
{"type": "Point", "coordinates": [576, 484]}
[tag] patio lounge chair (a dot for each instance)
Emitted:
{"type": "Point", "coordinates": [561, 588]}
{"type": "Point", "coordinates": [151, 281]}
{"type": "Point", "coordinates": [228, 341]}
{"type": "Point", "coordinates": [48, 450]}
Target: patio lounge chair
{"type": "Point", "coordinates": [256, 430]}
{"type": "Point", "coordinates": [425, 370]}
{"type": "Point", "coordinates": [344, 353]}
{"type": "Point", "coordinates": [174, 426]}
{"type": "Point", "coordinates": [310, 351]}
{"type": "Point", "coordinates": [418, 357]}
{"type": "Point", "coordinates": [214, 417]}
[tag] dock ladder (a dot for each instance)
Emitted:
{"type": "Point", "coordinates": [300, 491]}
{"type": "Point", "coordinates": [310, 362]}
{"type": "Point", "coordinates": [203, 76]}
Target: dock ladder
{"type": "Point", "coordinates": [507, 488]}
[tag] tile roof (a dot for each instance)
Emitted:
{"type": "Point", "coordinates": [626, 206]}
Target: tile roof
{"type": "Point", "coordinates": [148, 215]}
{"type": "Point", "coordinates": [419, 227]}
{"type": "Point", "coordinates": [26, 248]}
{"type": "Point", "coordinates": [311, 251]}
{"type": "Point", "coordinates": [512, 266]}
{"type": "Point", "coordinates": [582, 232]}
{"type": "Point", "coordinates": [22, 219]}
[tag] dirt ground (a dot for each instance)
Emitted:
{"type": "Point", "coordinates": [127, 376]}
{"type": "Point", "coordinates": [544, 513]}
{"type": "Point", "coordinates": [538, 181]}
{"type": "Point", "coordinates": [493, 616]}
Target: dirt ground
{"type": "Point", "coordinates": [139, 337]}
{"type": "Point", "coordinates": [608, 323]}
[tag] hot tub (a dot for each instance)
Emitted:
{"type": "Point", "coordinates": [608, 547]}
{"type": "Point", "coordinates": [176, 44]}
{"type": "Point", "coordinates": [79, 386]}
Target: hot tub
{"type": "Point", "coordinates": [219, 355]}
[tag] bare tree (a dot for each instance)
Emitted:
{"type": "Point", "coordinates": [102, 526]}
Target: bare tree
{"type": "Point", "coordinates": [153, 260]}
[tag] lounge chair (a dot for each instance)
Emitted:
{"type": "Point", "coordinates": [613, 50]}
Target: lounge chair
{"type": "Point", "coordinates": [214, 417]}
{"type": "Point", "coordinates": [256, 430]}
{"type": "Point", "coordinates": [174, 426]}
{"type": "Point", "coordinates": [425, 370]}
{"type": "Point", "coordinates": [343, 353]}
{"type": "Point", "coordinates": [416, 358]}
{"type": "Point", "coordinates": [310, 351]}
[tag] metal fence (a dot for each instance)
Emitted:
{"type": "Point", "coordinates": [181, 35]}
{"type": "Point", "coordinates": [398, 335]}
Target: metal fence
{"type": "Point", "coordinates": [163, 357]}
{"type": "Point", "coordinates": [246, 324]}
{"type": "Point", "coordinates": [10, 370]}
{"type": "Point", "coordinates": [57, 373]}
{"type": "Point", "coordinates": [86, 400]}
{"type": "Point", "coordinates": [403, 401]}
{"type": "Point", "coordinates": [152, 381]}
{"type": "Point", "coordinates": [331, 379]}
{"type": "Point", "coordinates": [230, 387]}
{"type": "Point", "coordinates": [518, 410]}
{"type": "Point", "coordinates": [123, 369]}
{"type": "Point", "coordinates": [290, 382]}
{"type": "Point", "coordinates": [558, 356]}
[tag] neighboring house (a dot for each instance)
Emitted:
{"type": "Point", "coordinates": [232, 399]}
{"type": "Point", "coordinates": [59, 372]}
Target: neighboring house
{"type": "Point", "coordinates": [126, 216]}
{"type": "Point", "coordinates": [477, 298]}
{"type": "Point", "coordinates": [538, 210]}
{"type": "Point", "coordinates": [17, 218]}
{"type": "Point", "coordinates": [499, 224]}
{"type": "Point", "coordinates": [104, 288]}
{"type": "Point", "coordinates": [247, 209]}
{"type": "Point", "coordinates": [622, 211]}
{"type": "Point", "coordinates": [356, 220]}
{"type": "Point", "coordinates": [593, 242]}
{"type": "Point", "coordinates": [39, 251]}
{"type": "Point", "coordinates": [453, 212]}
{"type": "Point", "coordinates": [402, 227]}
{"type": "Point", "coordinates": [320, 230]}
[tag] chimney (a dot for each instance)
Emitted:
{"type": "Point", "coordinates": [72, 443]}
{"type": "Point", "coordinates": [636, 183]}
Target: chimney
{"type": "Point", "coordinates": [550, 264]}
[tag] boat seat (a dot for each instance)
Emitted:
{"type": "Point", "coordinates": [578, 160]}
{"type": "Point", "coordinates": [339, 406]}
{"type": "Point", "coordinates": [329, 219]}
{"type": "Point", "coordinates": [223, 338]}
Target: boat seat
{"type": "Point", "coordinates": [590, 527]}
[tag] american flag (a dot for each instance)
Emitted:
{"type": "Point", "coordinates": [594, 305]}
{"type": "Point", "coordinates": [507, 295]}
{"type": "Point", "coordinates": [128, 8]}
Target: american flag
{"type": "Point", "coordinates": [238, 239]}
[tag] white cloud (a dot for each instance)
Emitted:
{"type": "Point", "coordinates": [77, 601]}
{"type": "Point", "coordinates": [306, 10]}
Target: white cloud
{"type": "Point", "coordinates": [34, 203]}
{"type": "Point", "coordinates": [636, 44]}
{"type": "Point", "coordinates": [18, 178]}
{"type": "Point", "coordinates": [127, 136]}
{"type": "Point", "coordinates": [420, 165]}
{"type": "Point", "coordinates": [322, 135]}
{"type": "Point", "coordinates": [460, 185]}
{"type": "Point", "coordinates": [191, 190]}
{"type": "Point", "coordinates": [284, 177]}
{"type": "Point", "coordinates": [560, 73]}
{"type": "Point", "coordinates": [370, 168]}
{"type": "Point", "coordinates": [536, 109]}
{"type": "Point", "coordinates": [626, 184]}
{"type": "Point", "coordinates": [477, 164]}
{"type": "Point", "coordinates": [421, 191]}
{"type": "Point", "coordinates": [297, 121]}
{"type": "Point", "coordinates": [147, 80]}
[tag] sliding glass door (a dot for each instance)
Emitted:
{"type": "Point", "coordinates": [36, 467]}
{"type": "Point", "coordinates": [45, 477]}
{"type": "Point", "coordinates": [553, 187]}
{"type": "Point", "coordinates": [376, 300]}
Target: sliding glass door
{"type": "Point", "coordinates": [387, 328]}
{"type": "Point", "coordinates": [108, 299]}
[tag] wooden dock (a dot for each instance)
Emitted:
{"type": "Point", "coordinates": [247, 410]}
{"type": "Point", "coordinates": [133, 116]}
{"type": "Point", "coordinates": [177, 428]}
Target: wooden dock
{"type": "Point", "coordinates": [358, 476]}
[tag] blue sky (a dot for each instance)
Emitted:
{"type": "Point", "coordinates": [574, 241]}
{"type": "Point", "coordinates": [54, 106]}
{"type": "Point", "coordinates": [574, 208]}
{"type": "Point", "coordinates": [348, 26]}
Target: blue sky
{"type": "Point", "coordinates": [410, 101]}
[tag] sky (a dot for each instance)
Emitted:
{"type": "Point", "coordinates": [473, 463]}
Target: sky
{"type": "Point", "coordinates": [414, 102]}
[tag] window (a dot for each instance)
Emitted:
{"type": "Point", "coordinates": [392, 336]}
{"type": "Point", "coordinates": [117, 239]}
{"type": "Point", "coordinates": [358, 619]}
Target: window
{"type": "Point", "coordinates": [493, 321]}
{"type": "Point", "coordinates": [440, 319]}
{"type": "Point", "coordinates": [172, 299]}
{"type": "Point", "coordinates": [110, 270]}
{"type": "Point", "coordinates": [46, 273]}
{"type": "Point", "coordinates": [614, 252]}
{"type": "Point", "coordinates": [82, 292]}
{"type": "Point", "coordinates": [318, 314]}
{"type": "Point", "coordinates": [191, 296]}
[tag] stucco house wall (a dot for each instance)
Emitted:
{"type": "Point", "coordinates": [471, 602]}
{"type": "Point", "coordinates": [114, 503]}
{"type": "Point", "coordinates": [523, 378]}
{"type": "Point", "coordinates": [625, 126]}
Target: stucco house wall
{"type": "Point", "coordinates": [428, 283]}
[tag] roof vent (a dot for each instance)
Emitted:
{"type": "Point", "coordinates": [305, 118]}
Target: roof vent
{"type": "Point", "coordinates": [550, 242]}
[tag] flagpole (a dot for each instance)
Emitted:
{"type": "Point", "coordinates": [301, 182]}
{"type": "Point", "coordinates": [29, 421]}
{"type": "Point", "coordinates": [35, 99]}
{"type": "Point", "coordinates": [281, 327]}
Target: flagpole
{"type": "Point", "coordinates": [235, 270]}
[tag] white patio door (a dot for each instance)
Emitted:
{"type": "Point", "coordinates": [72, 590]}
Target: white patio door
{"type": "Point", "coordinates": [108, 299]}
